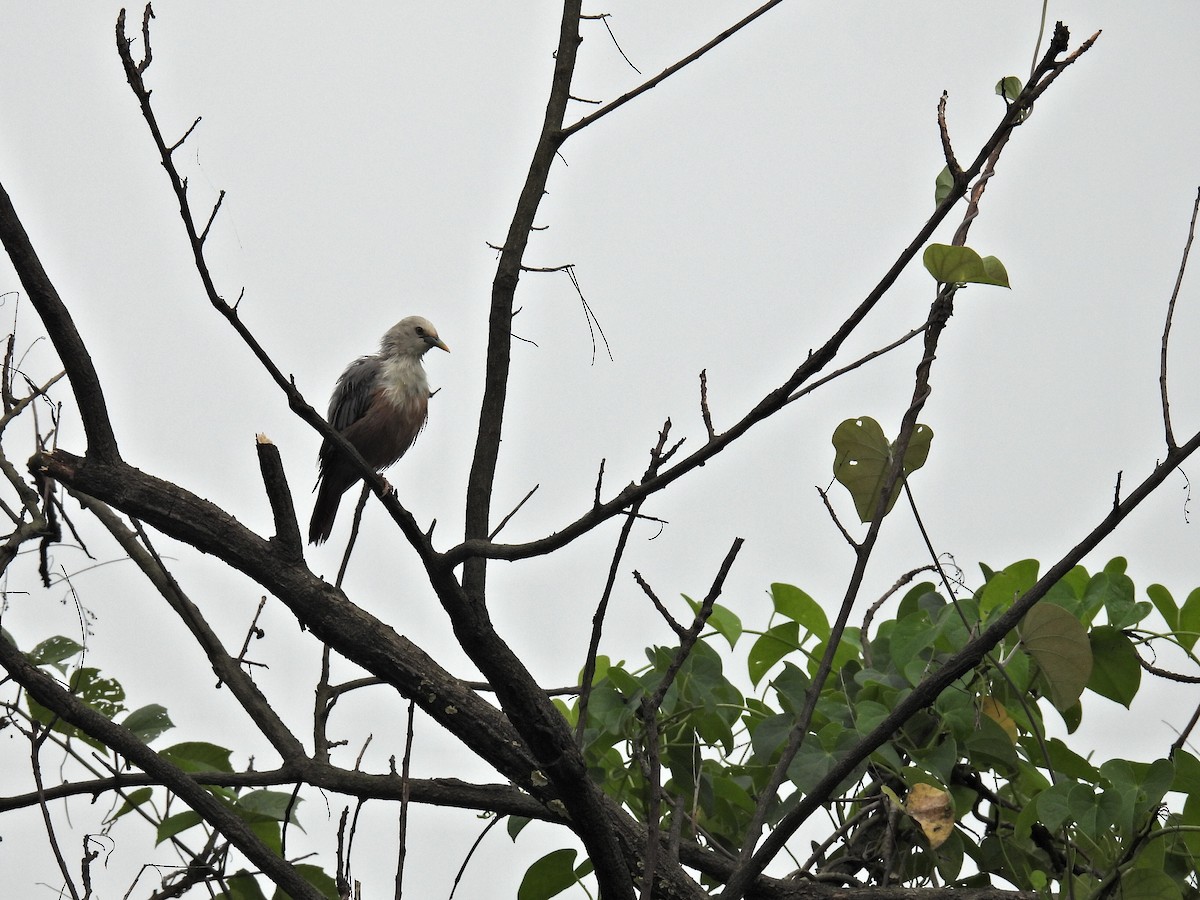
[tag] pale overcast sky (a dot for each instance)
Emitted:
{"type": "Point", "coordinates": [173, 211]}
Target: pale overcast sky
{"type": "Point", "coordinates": [727, 220]}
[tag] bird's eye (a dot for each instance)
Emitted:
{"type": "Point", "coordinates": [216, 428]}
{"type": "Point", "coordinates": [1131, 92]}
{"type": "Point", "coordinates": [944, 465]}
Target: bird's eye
{"type": "Point", "coordinates": [420, 331]}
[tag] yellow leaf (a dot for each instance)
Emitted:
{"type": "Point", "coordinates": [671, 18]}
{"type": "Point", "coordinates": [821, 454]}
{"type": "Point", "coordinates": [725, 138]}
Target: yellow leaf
{"type": "Point", "coordinates": [933, 810]}
{"type": "Point", "coordinates": [998, 714]}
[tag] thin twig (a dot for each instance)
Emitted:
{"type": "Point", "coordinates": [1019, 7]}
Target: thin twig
{"type": "Point", "coordinates": [658, 604]}
{"type": "Point", "coordinates": [593, 650]}
{"type": "Point", "coordinates": [405, 764]}
{"type": "Point", "coordinates": [492, 823]}
{"type": "Point", "coordinates": [1162, 372]}
{"type": "Point", "coordinates": [952, 165]}
{"type": "Point", "coordinates": [836, 521]}
{"type": "Point", "coordinates": [515, 510]}
{"type": "Point", "coordinates": [253, 631]}
{"type": "Point", "coordinates": [651, 703]}
{"type": "Point", "coordinates": [869, 615]}
{"type": "Point", "coordinates": [37, 737]}
{"type": "Point", "coordinates": [1181, 741]}
{"type": "Point", "coordinates": [704, 411]}
{"type": "Point", "coordinates": [355, 524]}
{"type": "Point", "coordinates": [603, 17]}
{"type": "Point", "coordinates": [669, 70]}
{"type": "Point", "coordinates": [657, 458]}
{"type": "Point", "coordinates": [599, 485]}
{"type": "Point", "coordinates": [589, 316]}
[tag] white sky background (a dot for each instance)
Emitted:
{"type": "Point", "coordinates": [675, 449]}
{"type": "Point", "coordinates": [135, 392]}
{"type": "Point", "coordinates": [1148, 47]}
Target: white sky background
{"type": "Point", "coordinates": [727, 220]}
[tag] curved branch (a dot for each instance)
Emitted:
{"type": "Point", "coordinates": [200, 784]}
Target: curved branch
{"type": "Point", "coordinates": [85, 382]}
{"type": "Point", "coordinates": [320, 607]}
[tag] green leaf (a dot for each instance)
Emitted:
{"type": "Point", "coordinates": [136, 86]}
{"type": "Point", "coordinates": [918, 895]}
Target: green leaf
{"type": "Point", "coordinates": [105, 695]}
{"type": "Point", "coordinates": [1116, 673]}
{"type": "Point", "coordinates": [1189, 620]}
{"type": "Point", "coordinates": [1165, 604]}
{"type": "Point", "coordinates": [791, 687]}
{"type": "Point", "coordinates": [53, 652]}
{"type": "Point", "coordinates": [792, 602]}
{"type": "Point", "coordinates": [1007, 585]}
{"type": "Point", "coordinates": [133, 800]}
{"type": "Point", "coordinates": [1147, 884]}
{"type": "Point", "coordinates": [318, 878]}
{"type": "Point", "coordinates": [242, 886]}
{"type": "Point", "coordinates": [198, 756]}
{"type": "Point", "coordinates": [911, 601]}
{"type": "Point", "coordinates": [914, 634]}
{"type": "Point", "coordinates": [848, 649]}
{"type": "Point", "coordinates": [602, 664]}
{"type": "Point", "coordinates": [516, 824]}
{"type": "Point", "coordinates": [949, 264]}
{"type": "Point", "coordinates": [818, 753]}
{"type": "Point", "coordinates": [768, 736]}
{"type": "Point", "coordinates": [772, 646]}
{"type": "Point", "coordinates": [864, 458]}
{"type": "Point", "coordinates": [148, 722]}
{"type": "Point", "coordinates": [550, 875]}
{"type": "Point", "coordinates": [942, 186]}
{"type": "Point", "coordinates": [1009, 88]}
{"type": "Point", "coordinates": [990, 747]}
{"type": "Point", "coordinates": [173, 825]}
{"type": "Point", "coordinates": [722, 620]}
{"type": "Point", "coordinates": [273, 805]}
{"type": "Point", "coordinates": [1059, 643]}
{"type": "Point", "coordinates": [1154, 780]}
{"type": "Point", "coordinates": [1187, 773]}
{"type": "Point", "coordinates": [1069, 763]}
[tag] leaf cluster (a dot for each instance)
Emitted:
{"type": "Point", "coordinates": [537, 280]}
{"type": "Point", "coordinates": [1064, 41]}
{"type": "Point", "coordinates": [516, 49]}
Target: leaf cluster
{"type": "Point", "coordinates": [1028, 811]}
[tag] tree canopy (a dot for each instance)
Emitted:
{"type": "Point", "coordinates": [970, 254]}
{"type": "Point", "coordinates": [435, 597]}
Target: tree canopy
{"type": "Point", "coordinates": [919, 740]}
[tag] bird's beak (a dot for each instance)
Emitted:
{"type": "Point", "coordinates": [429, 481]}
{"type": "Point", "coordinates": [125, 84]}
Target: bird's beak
{"type": "Point", "coordinates": [440, 344]}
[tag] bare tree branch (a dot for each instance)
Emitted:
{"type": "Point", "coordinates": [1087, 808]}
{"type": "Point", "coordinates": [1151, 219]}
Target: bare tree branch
{"type": "Point", "coordinates": [1162, 372]}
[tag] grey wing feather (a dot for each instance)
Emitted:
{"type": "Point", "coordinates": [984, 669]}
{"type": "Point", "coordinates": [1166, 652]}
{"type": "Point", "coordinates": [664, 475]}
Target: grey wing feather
{"type": "Point", "coordinates": [350, 400]}
{"type": "Point", "coordinates": [352, 395]}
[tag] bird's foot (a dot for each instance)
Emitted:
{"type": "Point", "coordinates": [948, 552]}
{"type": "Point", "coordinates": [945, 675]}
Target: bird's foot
{"type": "Point", "coordinates": [388, 487]}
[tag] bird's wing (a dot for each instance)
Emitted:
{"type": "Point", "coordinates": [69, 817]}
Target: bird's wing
{"type": "Point", "coordinates": [352, 396]}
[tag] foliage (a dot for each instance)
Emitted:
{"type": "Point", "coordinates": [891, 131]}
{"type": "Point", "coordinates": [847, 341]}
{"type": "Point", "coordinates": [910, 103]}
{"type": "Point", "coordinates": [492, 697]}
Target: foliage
{"type": "Point", "coordinates": [1028, 811]}
{"type": "Point", "coordinates": [264, 811]}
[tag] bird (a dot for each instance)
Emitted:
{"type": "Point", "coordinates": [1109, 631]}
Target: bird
{"type": "Point", "coordinates": [379, 405]}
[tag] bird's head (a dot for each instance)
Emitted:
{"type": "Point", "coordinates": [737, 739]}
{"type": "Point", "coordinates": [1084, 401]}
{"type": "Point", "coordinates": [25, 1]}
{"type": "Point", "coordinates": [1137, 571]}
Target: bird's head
{"type": "Point", "coordinates": [412, 337]}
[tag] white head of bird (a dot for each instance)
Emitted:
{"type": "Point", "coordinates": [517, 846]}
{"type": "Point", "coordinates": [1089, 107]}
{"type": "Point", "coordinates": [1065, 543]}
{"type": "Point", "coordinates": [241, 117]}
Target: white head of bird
{"type": "Point", "coordinates": [411, 336]}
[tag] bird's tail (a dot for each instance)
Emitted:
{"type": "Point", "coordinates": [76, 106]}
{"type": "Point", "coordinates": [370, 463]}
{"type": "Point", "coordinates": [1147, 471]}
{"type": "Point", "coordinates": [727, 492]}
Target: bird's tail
{"type": "Point", "coordinates": [329, 497]}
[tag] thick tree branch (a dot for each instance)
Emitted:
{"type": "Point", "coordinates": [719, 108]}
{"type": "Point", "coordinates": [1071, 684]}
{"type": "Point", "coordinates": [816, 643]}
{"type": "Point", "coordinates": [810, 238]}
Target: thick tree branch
{"type": "Point", "coordinates": [317, 605]}
{"type": "Point", "coordinates": [504, 287]}
{"type": "Point", "coordinates": [85, 382]}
